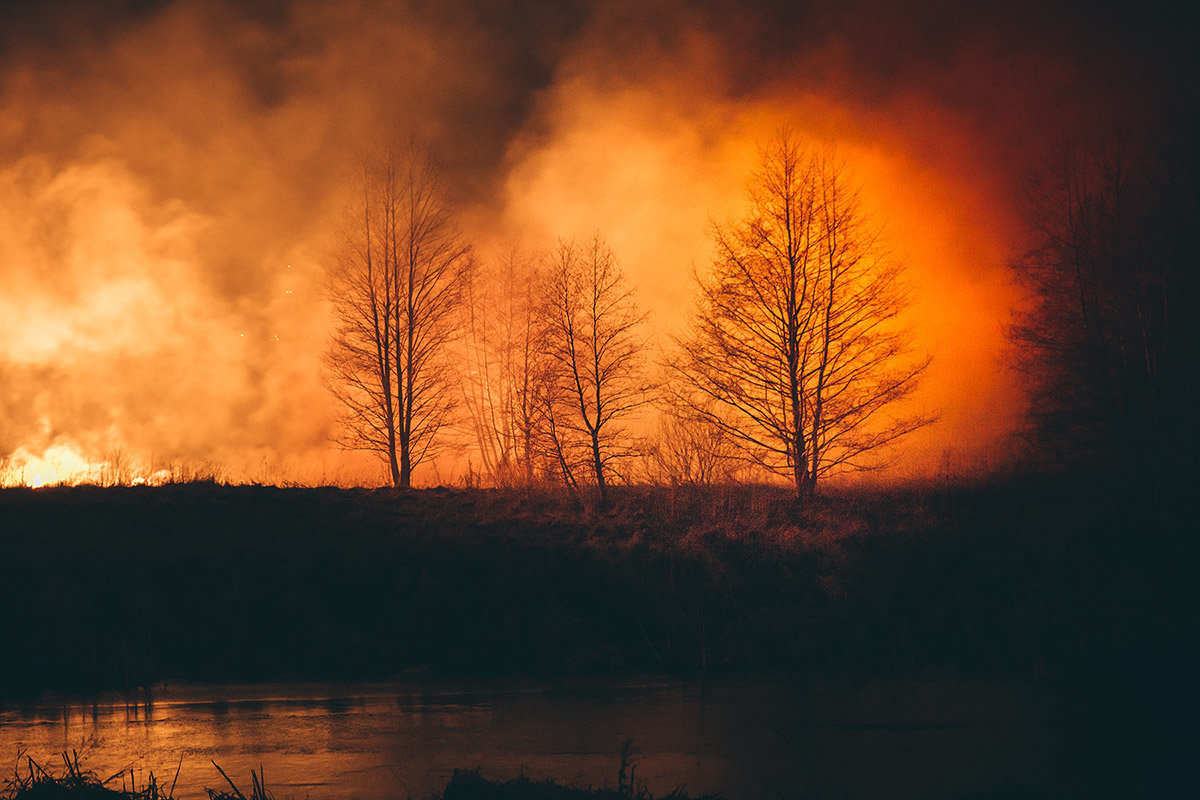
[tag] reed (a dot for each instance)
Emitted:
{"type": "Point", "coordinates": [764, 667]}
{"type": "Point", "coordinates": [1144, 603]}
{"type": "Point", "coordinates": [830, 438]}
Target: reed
{"type": "Point", "coordinates": [71, 781]}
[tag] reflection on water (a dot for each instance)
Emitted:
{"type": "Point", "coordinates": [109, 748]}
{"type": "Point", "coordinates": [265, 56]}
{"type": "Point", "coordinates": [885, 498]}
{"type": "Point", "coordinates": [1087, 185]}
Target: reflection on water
{"type": "Point", "coordinates": [748, 738]}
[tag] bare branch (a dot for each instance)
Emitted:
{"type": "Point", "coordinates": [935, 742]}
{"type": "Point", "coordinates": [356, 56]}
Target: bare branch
{"type": "Point", "coordinates": [795, 356]}
{"type": "Point", "coordinates": [396, 289]}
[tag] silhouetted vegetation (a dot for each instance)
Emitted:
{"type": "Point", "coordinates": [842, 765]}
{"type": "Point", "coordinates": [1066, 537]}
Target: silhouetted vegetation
{"type": "Point", "coordinates": [128, 585]}
{"type": "Point", "coordinates": [796, 354]}
{"type": "Point", "coordinates": [1067, 582]}
{"type": "Point", "coordinates": [32, 781]}
{"type": "Point", "coordinates": [594, 376]}
{"type": "Point", "coordinates": [72, 781]}
{"type": "Point", "coordinates": [1108, 342]}
{"type": "Point", "coordinates": [797, 363]}
{"type": "Point", "coordinates": [396, 289]}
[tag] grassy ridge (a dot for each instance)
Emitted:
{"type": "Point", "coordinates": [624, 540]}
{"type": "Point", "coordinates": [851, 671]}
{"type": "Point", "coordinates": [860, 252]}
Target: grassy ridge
{"type": "Point", "coordinates": [123, 586]}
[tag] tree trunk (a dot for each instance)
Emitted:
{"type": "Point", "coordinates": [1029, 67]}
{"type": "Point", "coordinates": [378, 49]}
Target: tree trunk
{"type": "Point", "coordinates": [394, 464]}
{"type": "Point", "coordinates": [799, 454]}
{"type": "Point", "coordinates": [598, 465]}
{"type": "Point", "coordinates": [405, 481]}
{"type": "Point", "coordinates": [527, 455]}
{"type": "Point", "coordinates": [800, 476]}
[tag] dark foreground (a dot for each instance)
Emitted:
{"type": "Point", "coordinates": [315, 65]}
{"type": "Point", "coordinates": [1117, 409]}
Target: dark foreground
{"type": "Point", "coordinates": [73, 781]}
{"type": "Point", "coordinates": [76, 783]}
{"type": "Point", "coordinates": [1067, 583]}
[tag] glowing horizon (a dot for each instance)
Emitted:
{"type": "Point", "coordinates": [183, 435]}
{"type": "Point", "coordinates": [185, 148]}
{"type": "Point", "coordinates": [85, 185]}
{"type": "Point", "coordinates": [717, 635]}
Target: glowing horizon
{"type": "Point", "coordinates": [171, 194]}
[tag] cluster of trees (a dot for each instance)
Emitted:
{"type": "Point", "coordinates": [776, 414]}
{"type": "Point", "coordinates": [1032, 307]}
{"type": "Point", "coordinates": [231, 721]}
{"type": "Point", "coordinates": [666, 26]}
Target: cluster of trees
{"type": "Point", "coordinates": [795, 364]}
{"type": "Point", "coordinates": [555, 369]}
{"type": "Point", "coordinates": [1108, 343]}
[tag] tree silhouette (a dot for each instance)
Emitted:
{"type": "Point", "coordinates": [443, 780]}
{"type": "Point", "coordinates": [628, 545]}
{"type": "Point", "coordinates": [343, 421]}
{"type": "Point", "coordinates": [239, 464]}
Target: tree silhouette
{"type": "Point", "coordinates": [686, 449]}
{"type": "Point", "coordinates": [502, 365]}
{"type": "Point", "coordinates": [594, 375]}
{"type": "Point", "coordinates": [396, 291]}
{"type": "Point", "coordinates": [1108, 341]}
{"type": "Point", "coordinates": [796, 351]}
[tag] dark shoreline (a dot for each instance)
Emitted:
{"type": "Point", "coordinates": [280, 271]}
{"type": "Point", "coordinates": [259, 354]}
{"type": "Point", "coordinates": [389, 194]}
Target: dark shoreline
{"type": "Point", "coordinates": [1064, 583]}
{"type": "Point", "coordinates": [73, 781]}
{"type": "Point", "coordinates": [121, 587]}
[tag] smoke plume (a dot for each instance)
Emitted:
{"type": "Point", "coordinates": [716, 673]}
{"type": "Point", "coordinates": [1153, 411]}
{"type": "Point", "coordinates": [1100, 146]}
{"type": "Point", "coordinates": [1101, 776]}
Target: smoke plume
{"type": "Point", "coordinates": [173, 176]}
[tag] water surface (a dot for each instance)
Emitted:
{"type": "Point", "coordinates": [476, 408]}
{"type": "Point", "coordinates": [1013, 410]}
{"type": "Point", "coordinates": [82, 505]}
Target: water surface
{"type": "Point", "coordinates": [759, 737]}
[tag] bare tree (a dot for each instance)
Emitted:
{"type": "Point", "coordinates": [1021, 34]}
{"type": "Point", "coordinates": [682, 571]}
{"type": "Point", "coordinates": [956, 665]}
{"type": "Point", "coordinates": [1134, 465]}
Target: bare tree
{"type": "Point", "coordinates": [688, 450]}
{"type": "Point", "coordinates": [502, 367]}
{"type": "Point", "coordinates": [796, 351]}
{"type": "Point", "coordinates": [396, 291]}
{"type": "Point", "coordinates": [594, 377]}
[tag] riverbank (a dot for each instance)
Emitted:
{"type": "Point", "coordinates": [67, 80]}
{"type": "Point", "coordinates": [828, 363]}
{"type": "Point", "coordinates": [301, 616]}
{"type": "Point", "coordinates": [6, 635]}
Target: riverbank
{"type": "Point", "coordinates": [73, 781]}
{"type": "Point", "coordinates": [125, 586]}
{"type": "Point", "coordinates": [1067, 584]}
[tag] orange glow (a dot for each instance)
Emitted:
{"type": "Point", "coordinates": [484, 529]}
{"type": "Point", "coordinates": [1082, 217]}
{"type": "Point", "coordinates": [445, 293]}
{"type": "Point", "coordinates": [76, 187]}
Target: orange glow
{"type": "Point", "coordinates": [652, 168]}
{"type": "Point", "coordinates": [171, 193]}
{"type": "Point", "coordinates": [59, 464]}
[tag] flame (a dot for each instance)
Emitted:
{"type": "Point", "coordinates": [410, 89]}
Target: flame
{"type": "Point", "coordinates": [65, 464]}
{"type": "Point", "coordinates": [58, 464]}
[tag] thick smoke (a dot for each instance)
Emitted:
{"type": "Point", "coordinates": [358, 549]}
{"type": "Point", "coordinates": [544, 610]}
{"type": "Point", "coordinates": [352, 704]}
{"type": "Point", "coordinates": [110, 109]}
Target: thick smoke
{"type": "Point", "coordinates": [172, 176]}
{"type": "Point", "coordinates": [170, 185]}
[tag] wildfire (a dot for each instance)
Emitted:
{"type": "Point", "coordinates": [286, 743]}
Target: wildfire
{"type": "Point", "coordinates": [58, 464]}
{"type": "Point", "coordinates": [64, 464]}
{"type": "Point", "coordinates": [157, 175]}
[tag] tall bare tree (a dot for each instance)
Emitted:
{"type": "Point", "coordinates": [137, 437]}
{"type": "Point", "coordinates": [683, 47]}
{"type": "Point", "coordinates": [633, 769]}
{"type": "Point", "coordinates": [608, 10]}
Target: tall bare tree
{"type": "Point", "coordinates": [796, 351]}
{"type": "Point", "coordinates": [502, 365]}
{"type": "Point", "coordinates": [396, 289]}
{"type": "Point", "coordinates": [595, 377]}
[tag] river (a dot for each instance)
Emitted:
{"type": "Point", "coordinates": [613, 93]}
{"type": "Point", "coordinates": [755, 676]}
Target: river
{"type": "Point", "coordinates": [747, 737]}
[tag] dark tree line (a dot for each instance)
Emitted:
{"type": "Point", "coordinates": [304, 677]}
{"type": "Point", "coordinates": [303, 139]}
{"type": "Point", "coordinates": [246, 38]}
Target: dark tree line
{"type": "Point", "coordinates": [1109, 342]}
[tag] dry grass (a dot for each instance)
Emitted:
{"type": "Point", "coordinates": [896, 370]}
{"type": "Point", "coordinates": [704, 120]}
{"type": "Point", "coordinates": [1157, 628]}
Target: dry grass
{"type": "Point", "coordinates": [72, 781]}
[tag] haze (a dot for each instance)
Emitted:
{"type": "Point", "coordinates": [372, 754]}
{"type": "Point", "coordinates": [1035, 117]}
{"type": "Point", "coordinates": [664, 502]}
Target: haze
{"type": "Point", "coordinates": [174, 175]}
